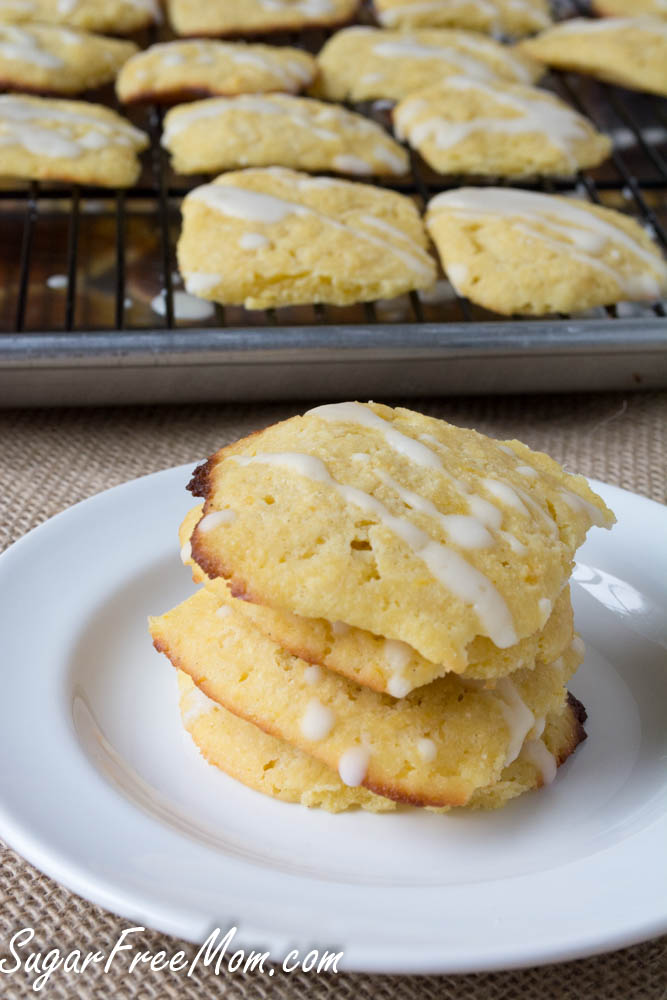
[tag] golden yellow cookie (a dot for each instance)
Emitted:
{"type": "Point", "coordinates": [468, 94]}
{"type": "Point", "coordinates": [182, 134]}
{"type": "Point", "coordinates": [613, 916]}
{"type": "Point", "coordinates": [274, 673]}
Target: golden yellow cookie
{"type": "Point", "coordinates": [224, 133]}
{"type": "Point", "coordinates": [114, 17]}
{"type": "Point", "coordinates": [272, 237]}
{"type": "Point", "coordinates": [273, 767]}
{"type": "Point", "coordinates": [176, 71]}
{"type": "Point", "coordinates": [521, 252]}
{"type": "Point", "coordinates": [360, 64]}
{"type": "Point", "coordinates": [466, 126]}
{"type": "Point", "coordinates": [630, 51]}
{"type": "Point", "coordinates": [434, 748]}
{"type": "Point", "coordinates": [255, 17]}
{"type": "Point", "coordinates": [51, 60]}
{"type": "Point", "coordinates": [73, 141]}
{"type": "Point", "coordinates": [394, 522]}
{"type": "Point", "coordinates": [499, 17]}
{"type": "Point", "coordinates": [629, 8]}
{"type": "Point", "coordinates": [386, 665]}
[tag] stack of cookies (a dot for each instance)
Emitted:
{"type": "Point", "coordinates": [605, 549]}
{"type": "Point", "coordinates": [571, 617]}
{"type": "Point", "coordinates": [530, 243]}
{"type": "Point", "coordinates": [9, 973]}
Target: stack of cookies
{"type": "Point", "coordinates": [384, 614]}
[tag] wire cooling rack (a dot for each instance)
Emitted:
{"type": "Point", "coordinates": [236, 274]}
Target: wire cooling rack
{"type": "Point", "coordinates": [92, 308]}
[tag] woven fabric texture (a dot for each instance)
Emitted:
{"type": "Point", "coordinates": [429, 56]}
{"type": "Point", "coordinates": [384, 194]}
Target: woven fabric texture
{"type": "Point", "coordinates": [50, 460]}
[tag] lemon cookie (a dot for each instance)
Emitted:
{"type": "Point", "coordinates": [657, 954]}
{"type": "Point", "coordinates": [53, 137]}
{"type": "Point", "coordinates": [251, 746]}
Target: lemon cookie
{"type": "Point", "coordinates": [396, 523]}
{"type": "Point", "coordinates": [623, 8]}
{"type": "Point", "coordinates": [360, 64]}
{"type": "Point", "coordinates": [434, 748]}
{"type": "Point", "coordinates": [73, 141]}
{"type": "Point", "coordinates": [629, 51]}
{"type": "Point", "coordinates": [522, 252]}
{"type": "Point", "coordinates": [467, 126]}
{"type": "Point", "coordinates": [271, 766]}
{"type": "Point", "coordinates": [386, 665]}
{"type": "Point", "coordinates": [272, 237]}
{"type": "Point", "coordinates": [115, 17]}
{"type": "Point", "coordinates": [173, 71]}
{"type": "Point", "coordinates": [229, 17]}
{"type": "Point", "coordinates": [277, 129]}
{"type": "Point", "coordinates": [52, 60]}
{"type": "Point", "coordinates": [499, 17]}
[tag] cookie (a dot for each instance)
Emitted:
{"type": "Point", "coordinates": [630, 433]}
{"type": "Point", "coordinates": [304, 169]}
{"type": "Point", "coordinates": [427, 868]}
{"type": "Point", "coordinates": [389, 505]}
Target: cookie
{"type": "Point", "coordinates": [271, 766]}
{"type": "Point", "coordinates": [396, 523]}
{"type": "Point", "coordinates": [273, 237]}
{"type": "Point", "coordinates": [629, 51]}
{"type": "Point", "coordinates": [114, 17]}
{"type": "Point", "coordinates": [71, 141]}
{"type": "Point", "coordinates": [385, 665]}
{"type": "Point", "coordinates": [622, 8]}
{"type": "Point", "coordinates": [177, 71]}
{"type": "Point", "coordinates": [361, 64]}
{"type": "Point", "coordinates": [256, 17]}
{"type": "Point", "coordinates": [47, 59]}
{"type": "Point", "coordinates": [498, 17]}
{"type": "Point", "coordinates": [465, 126]}
{"type": "Point", "coordinates": [433, 748]}
{"type": "Point", "coordinates": [225, 133]}
{"type": "Point", "coordinates": [517, 251]}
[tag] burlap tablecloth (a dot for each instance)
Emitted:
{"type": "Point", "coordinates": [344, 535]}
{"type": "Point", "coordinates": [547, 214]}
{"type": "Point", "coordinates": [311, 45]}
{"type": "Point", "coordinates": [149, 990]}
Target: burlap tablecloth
{"type": "Point", "coordinates": [50, 460]}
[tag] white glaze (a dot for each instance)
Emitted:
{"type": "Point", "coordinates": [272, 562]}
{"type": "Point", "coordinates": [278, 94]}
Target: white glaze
{"type": "Point", "coordinates": [224, 611]}
{"type": "Point", "coordinates": [577, 646]}
{"type": "Point", "coordinates": [186, 306]}
{"type": "Point", "coordinates": [197, 283]}
{"type": "Point", "coordinates": [519, 718]}
{"type": "Point", "coordinates": [213, 520]}
{"type": "Point", "coordinates": [186, 552]}
{"type": "Point", "coordinates": [57, 281]}
{"type": "Point", "coordinates": [196, 705]}
{"type": "Point", "coordinates": [544, 607]}
{"type": "Point", "coordinates": [580, 505]}
{"type": "Point", "coordinates": [253, 241]}
{"type": "Point", "coordinates": [505, 494]}
{"type": "Point", "coordinates": [313, 674]}
{"type": "Point", "coordinates": [317, 721]}
{"type": "Point", "coordinates": [349, 164]}
{"type": "Point", "coordinates": [536, 753]}
{"type": "Point", "coordinates": [426, 749]}
{"type": "Point", "coordinates": [21, 45]}
{"type": "Point", "coordinates": [353, 766]}
{"type": "Point", "coordinates": [528, 471]}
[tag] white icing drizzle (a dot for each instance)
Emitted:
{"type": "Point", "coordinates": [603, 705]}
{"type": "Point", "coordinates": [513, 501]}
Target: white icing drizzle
{"type": "Point", "coordinates": [224, 611]}
{"type": "Point", "coordinates": [519, 718]}
{"type": "Point", "coordinates": [22, 45]}
{"type": "Point", "coordinates": [457, 575]}
{"type": "Point", "coordinates": [197, 704]}
{"type": "Point", "coordinates": [353, 766]}
{"type": "Point", "coordinates": [538, 728]}
{"type": "Point", "coordinates": [577, 646]}
{"type": "Point", "coordinates": [186, 552]}
{"type": "Point", "coordinates": [350, 164]}
{"type": "Point", "coordinates": [516, 546]}
{"type": "Point", "coordinates": [186, 306]}
{"type": "Point", "coordinates": [536, 753]}
{"type": "Point", "coordinates": [213, 520]}
{"type": "Point", "coordinates": [505, 493]}
{"type": "Point", "coordinates": [468, 56]}
{"type": "Point", "coordinates": [528, 471]}
{"type": "Point", "coordinates": [397, 655]}
{"type": "Point", "coordinates": [606, 25]}
{"type": "Point", "coordinates": [426, 749]}
{"type": "Point", "coordinates": [253, 241]}
{"type": "Point", "coordinates": [544, 607]}
{"type": "Point", "coordinates": [317, 721]}
{"type": "Point", "coordinates": [57, 281]}
{"type": "Point", "coordinates": [569, 226]}
{"type": "Point", "coordinates": [580, 505]}
{"type": "Point", "coordinates": [197, 283]}
{"type": "Point", "coordinates": [535, 112]}
{"type": "Point", "coordinates": [313, 674]}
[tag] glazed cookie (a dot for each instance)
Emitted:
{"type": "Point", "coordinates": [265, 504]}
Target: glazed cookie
{"type": "Point", "coordinates": [173, 71]}
{"type": "Point", "coordinates": [114, 17]}
{"type": "Point", "coordinates": [623, 8]}
{"type": "Point", "coordinates": [396, 523]}
{"type": "Point", "coordinates": [271, 766]}
{"type": "Point", "coordinates": [629, 51]}
{"type": "Point", "coordinates": [521, 252]}
{"type": "Point", "coordinates": [277, 129]}
{"type": "Point", "coordinates": [256, 17]}
{"type": "Point", "coordinates": [433, 748]}
{"type": "Point", "coordinates": [71, 141]}
{"type": "Point", "coordinates": [47, 59]}
{"type": "Point", "coordinates": [386, 665]}
{"type": "Point", "coordinates": [361, 64]}
{"type": "Point", "coordinates": [465, 126]}
{"type": "Point", "coordinates": [498, 17]}
{"type": "Point", "coordinates": [272, 237]}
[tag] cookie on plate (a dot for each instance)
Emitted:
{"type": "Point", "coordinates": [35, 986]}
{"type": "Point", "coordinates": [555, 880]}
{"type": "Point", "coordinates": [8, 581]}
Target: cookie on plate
{"type": "Point", "coordinates": [72, 141]}
{"type": "Point", "coordinates": [434, 747]}
{"type": "Point", "coordinates": [47, 59]}
{"type": "Point", "coordinates": [624, 8]}
{"type": "Point", "coordinates": [179, 71]}
{"type": "Point", "coordinates": [498, 17]}
{"type": "Point", "coordinates": [269, 765]}
{"type": "Point", "coordinates": [386, 665]}
{"type": "Point", "coordinates": [225, 133]}
{"type": "Point", "coordinates": [517, 251]}
{"type": "Point", "coordinates": [629, 51]}
{"type": "Point", "coordinates": [114, 17]}
{"type": "Point", "coordinates": [466, 126]}
{"type": "Point", "coordinates": [396, 523]}
{"type": "Point", "coordinates": [272, 237]}
{"type": "Point", "coordinates": [256, 17]}
{"type": "Point", "coordinates": [361, 64]}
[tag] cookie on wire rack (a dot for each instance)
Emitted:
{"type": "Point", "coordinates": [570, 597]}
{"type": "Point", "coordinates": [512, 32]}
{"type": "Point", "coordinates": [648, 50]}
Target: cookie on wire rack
{"type": "Point", "coordinates": [512, 18]}
{"type": "Point", "coordinates": [229, 18]}
{"type": "Point", "coordinates": [114, 17]}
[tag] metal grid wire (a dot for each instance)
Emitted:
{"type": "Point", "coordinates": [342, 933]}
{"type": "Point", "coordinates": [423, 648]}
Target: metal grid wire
{"type": "Point", "coordinates": [634, 180]}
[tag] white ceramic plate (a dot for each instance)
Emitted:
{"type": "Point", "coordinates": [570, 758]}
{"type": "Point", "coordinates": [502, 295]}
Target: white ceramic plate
{"type": "Point", "coordinates": [101, 789]}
